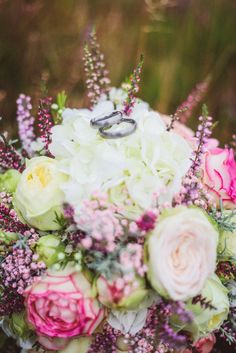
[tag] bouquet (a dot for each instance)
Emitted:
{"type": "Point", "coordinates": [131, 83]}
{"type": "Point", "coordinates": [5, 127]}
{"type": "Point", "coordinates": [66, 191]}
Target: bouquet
{"type": "Point", "coordinates": [118, 225]}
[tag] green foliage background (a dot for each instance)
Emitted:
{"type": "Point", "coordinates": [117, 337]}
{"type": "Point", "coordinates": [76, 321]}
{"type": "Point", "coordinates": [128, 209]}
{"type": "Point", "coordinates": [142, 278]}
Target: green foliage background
{"type": "Point", "coordinates": [182, 44]}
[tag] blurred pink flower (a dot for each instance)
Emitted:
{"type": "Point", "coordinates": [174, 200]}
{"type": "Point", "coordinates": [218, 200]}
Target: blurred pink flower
{"type": "Point", "coordinates": [219, 175]}
{"type": "Point", "coordinates": [62, 305]}
{"type": "Point", "coordinates": [203, 345]}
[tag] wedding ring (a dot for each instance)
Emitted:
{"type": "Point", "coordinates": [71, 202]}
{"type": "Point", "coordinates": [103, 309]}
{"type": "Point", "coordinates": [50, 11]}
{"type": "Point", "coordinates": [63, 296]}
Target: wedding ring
{"type": "Point", "coordinates": [107, 121]}
{"type": "Point", "coordinates": [107, 134]}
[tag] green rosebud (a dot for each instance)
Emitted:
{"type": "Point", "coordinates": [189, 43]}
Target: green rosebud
{"type": "Point", "coordinates": [9, 180]}
{"type": "Point", "coordinates": [49, 248]}
{"type": "Point", "coordinates": [7, 237]}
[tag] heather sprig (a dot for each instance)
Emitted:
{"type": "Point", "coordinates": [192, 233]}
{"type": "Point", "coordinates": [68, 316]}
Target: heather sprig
{"type": "Point", "coordinates": [193, 99]}
{"type": "Point", "coordinates": [11, 302]}
{"type": "Point", "coordinates": [9, 221]}
{"type": "Point", "coordinates": [25, 122]}
{"type": "Point", "coordinates": [203, 302]}
{"type": "Point", "coordinates": [9, 157]}
{"type": "Point", "coordinates": [19, 269]}
{"type": "Point", "coordinates": [224, 219]}
{"type": "Point", "coordinates": [133, 89]}
{"type": "Point", "coordinates": [97, 80]}
{"type": "Point", "coordinates": [203, 134]}
{"type": "Point", "coordinates": [193, 191]}
{"type": "Point", "coordinates": [176, 117]}
{"type": "Point", "coordinates": [45, 121]}
{"type": "Point", "coordinates": [164, 330]}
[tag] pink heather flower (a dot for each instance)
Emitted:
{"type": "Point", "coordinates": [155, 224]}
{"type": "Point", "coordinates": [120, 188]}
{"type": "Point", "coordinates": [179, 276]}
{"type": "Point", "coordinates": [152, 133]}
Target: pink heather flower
{"type": "Point", "coordinates": [219, 175]}
{"type": "Point", "coordinates": [101, 225]}
{"type": "Point", "coordinates": [62, 305]}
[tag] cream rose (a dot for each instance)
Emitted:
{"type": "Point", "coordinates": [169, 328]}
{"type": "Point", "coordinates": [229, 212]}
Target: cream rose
{"type": "Point", "coordinates": [38, 196]}
{"type": "Point", "coordinates": [181, 253]}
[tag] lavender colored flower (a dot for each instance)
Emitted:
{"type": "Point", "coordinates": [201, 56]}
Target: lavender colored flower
{"type": "Point", "coordinates": [193, 191]}
{"type": "Point", "coordinates": [25, 122]}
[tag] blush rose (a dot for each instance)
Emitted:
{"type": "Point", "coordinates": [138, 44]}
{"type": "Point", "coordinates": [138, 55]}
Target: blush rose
{"type": "Point", "coordinates": [219, 175]}
{"type": "Point", "coordinates": [62, 305]}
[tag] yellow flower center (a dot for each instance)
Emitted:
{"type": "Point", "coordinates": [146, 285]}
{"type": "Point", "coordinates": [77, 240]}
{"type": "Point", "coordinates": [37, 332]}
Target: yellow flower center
{"type": "Point", "coordinates": [41, 174]}
{"type": "Point", "coordinates": [215, 321]}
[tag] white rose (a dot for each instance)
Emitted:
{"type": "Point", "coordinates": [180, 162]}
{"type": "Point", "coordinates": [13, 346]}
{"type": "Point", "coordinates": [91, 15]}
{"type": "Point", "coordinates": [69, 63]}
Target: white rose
{"type": "Point", "coordinates": [38, 196]}
{"type": "Point", "coordinates": [181, 253]}
{"type": "Point", "coordinates": [209, 320]}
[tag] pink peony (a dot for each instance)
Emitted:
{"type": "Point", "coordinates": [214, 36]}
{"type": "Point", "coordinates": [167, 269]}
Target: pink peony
{"type": "Point", "coordinates": [219, 175]}
{"type": "Point", "coordinates": [62, 305]}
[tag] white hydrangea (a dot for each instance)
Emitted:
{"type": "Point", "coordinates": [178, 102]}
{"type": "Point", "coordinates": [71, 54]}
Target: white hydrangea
{"type": "Point", "coordinates": [133, 170]}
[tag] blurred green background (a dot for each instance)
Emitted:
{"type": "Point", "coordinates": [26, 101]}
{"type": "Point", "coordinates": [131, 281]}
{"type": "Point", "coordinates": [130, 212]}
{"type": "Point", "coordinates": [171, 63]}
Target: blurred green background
{"type": "Point", "coordinates": [182, 40]}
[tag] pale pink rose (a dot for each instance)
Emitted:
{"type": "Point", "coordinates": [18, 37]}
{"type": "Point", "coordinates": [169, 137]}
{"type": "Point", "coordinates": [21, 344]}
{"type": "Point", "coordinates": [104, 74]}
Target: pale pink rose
{"type": "Point", "coordinates": [219, 175]}
{"type": "Point", "coordinates": [62, 305]}
{"type": "Point", "coordinates": [205, 344]}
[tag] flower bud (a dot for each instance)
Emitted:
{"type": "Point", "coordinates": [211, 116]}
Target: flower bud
{"type": "Point", "coordinates": [8, 237]}
{"type": "Point", "coordinates": [9, 180]}
{"type": "Point", "coordinates": [50, 248]}
{"type": "Point", "coordinates": [112, 296]}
